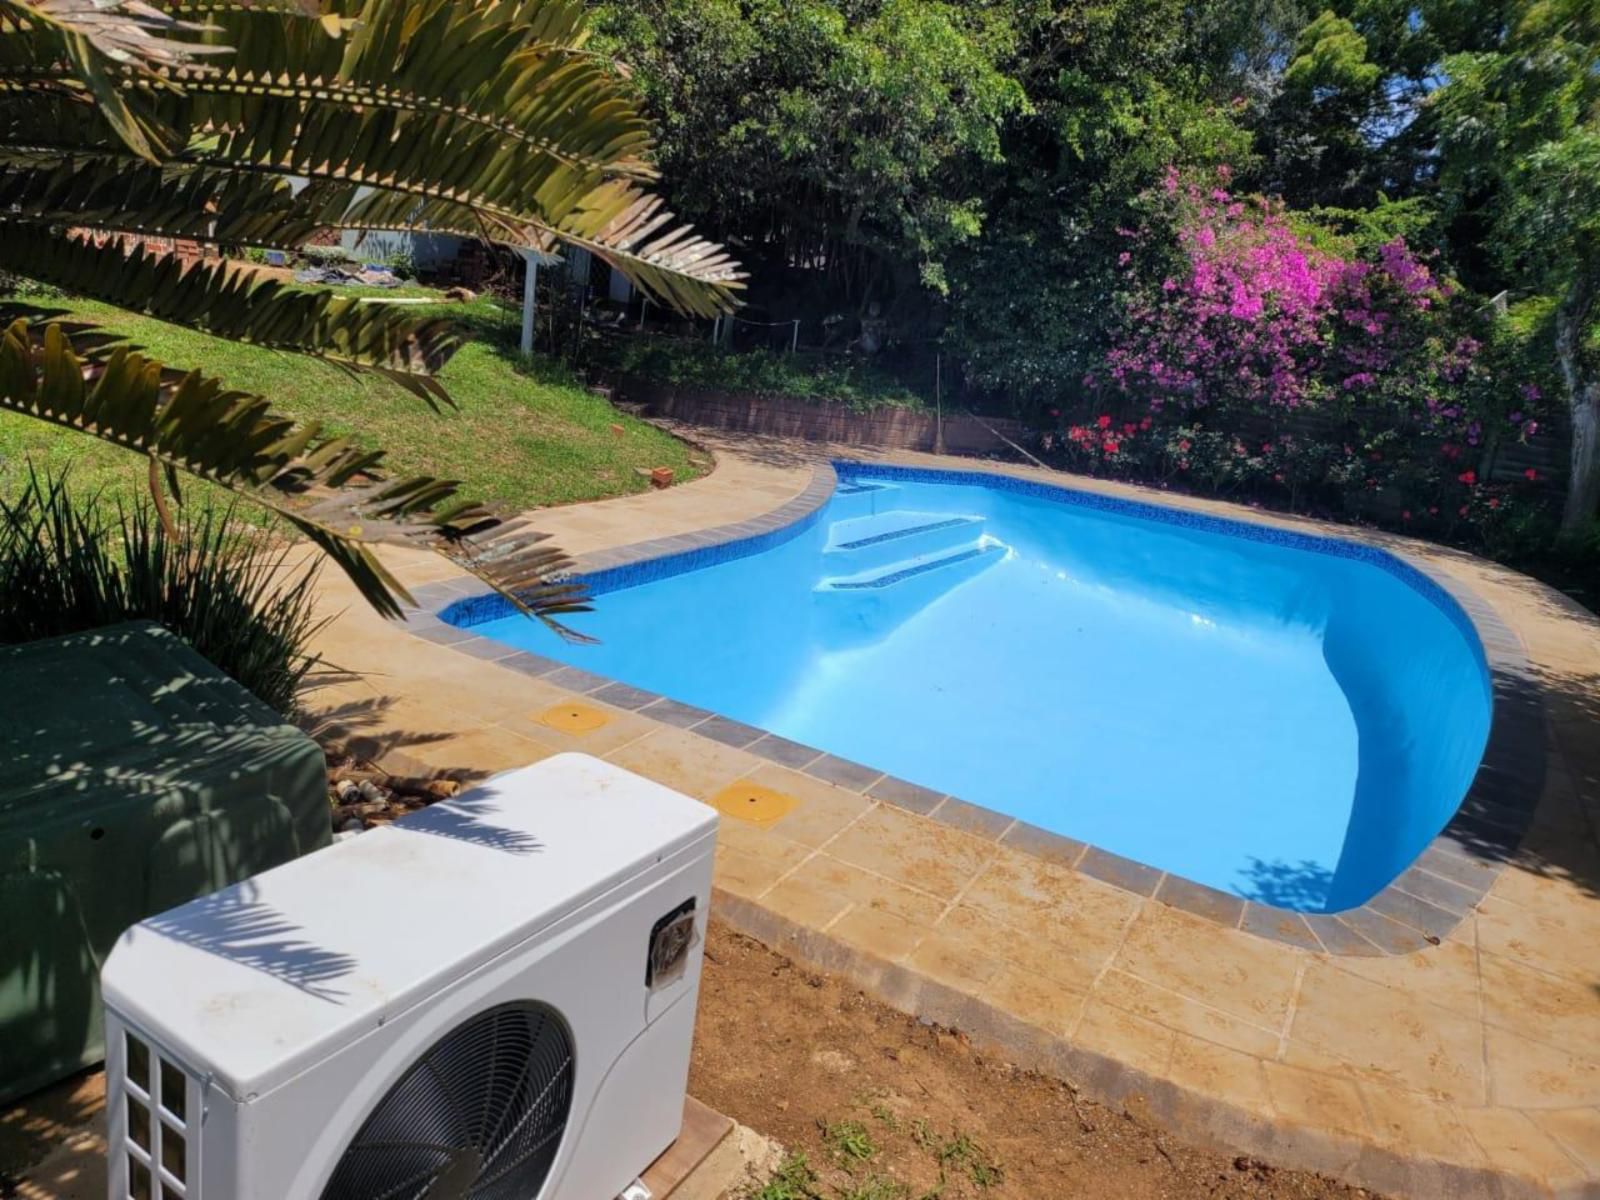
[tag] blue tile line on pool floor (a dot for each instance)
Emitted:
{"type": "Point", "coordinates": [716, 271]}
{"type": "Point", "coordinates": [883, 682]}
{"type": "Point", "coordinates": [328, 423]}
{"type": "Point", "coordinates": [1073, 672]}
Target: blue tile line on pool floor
{"type": "Point", "coordinates": [901, 576]}
{"type": "Point", "coordinates": [850, 473]}
{"type": "Point", "coordinates": [895, 535]}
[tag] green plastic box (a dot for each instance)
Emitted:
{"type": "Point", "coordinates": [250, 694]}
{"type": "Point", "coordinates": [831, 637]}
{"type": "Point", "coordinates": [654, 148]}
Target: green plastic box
{"type": "Point", "coordinates": [134, 776]}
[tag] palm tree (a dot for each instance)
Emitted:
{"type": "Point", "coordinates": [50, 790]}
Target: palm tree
{"type": "Point", "coordinates": [260, 123]}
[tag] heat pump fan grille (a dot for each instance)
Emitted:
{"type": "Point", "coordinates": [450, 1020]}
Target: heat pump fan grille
{"type": "Point", "coordinates": [478, 1117]}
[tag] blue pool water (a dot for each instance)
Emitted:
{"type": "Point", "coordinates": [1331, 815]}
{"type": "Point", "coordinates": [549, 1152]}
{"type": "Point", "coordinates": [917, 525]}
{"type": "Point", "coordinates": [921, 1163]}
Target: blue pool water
{"type": "Point", "coordinates": [1292, 720]}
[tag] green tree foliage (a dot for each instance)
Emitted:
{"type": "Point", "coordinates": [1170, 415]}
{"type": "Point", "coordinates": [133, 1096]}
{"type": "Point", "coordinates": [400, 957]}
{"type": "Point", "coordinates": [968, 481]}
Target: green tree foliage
{"type": "Point", "coordinates": [1519, 137]}
{"type": "Point", "coordinates": [1119, 90]}
{"type": "Point", "coordinates": [980, 162]}
{"type": "Point", "coordinates": [849, 134]}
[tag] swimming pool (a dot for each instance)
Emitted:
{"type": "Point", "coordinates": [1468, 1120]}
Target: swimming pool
{"type": "Point", "coordinates": [1287, 718]}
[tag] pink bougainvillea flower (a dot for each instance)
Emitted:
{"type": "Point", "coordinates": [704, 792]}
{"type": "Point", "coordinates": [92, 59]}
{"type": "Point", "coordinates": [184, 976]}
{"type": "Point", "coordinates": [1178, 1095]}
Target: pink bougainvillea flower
{"type": "Point", "coordinates": [1104, 422]}
{"type": "Point", "coordinates": [1515, 418]}
{"type": "Point", "coordinates": [1468, 477]}
{"type": "Point", "coordinates": [1530, 428]}
{"type": "Point", "coordinates": [1494, 502]}
{"type": "Point", "coordinates": [1531, 393]}
{"type": "Point", "coordinates": [1433, 511]}
{"type": "Point", "coordinates": [1112, 445]}
{"type": "Point", "coordinates": [1183, 446]}
{"type": "Point", "coordinates": [1531, 474]}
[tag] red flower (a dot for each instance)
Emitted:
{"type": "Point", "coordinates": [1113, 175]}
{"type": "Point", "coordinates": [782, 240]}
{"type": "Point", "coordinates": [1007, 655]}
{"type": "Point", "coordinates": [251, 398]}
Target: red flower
{"type": "Point", "coordinates": [1104, 422]}
{"type": "Point", "coordinates": [1532, 474]}
{"type": "Point", "coordinates": [1077, 433]}
{"type": "Point", "coordinates": [1112, 445]}
{"type": "Point", "coordinates": [1130, 429]}
{"type": "Point", "coordinates": [1183, 446]}
{"type": "Point", "coordinates": [1468, 477]}
{"type": "Point", "coordinates": [1145, 424]}
{"type": "Point", "coordinates": [1494, 502]}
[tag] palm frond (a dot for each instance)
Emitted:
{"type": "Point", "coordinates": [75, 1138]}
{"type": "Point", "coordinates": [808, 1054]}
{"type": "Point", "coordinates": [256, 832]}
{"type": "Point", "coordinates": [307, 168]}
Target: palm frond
{"type": "Point", "coordinates": [329, 488]}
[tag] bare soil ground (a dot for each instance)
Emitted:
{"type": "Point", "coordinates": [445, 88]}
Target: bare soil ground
{"type": "Point", "coordinates": [874, 1105]}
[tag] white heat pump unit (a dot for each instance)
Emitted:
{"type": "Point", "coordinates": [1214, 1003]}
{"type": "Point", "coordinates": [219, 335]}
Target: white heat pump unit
{"type": "Point", "coordinates": [492, 999]}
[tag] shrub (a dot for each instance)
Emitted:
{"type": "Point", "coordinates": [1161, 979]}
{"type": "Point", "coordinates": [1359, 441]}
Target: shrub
{"type": "Point", "coordinates": [849, 383]}
{"type": "Point", "coordinates": [1263, 357]}
{"type": "Point", "coordinates": [67, 566]}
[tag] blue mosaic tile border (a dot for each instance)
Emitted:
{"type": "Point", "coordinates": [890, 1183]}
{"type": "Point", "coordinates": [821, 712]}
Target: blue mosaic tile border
{"type": "Point", "coordinates": [852, 473]}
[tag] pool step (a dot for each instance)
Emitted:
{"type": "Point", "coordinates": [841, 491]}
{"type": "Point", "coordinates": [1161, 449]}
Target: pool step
{"type": "Point", "coordinates": [863, 498]}
{"type": "Point", "coordinates": [865, 543]}
{"type": "Point", "coordinates": [943, 568]}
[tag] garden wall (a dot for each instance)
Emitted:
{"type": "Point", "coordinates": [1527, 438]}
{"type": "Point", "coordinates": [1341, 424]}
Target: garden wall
{"type": "Point", "coordinates": [889, 428]}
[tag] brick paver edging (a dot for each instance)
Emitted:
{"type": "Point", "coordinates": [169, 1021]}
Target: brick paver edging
{"type": "Point", "coordinates": [1420, 908]}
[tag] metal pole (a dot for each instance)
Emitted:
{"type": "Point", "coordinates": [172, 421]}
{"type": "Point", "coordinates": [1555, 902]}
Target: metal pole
{"type": "Point", "coordinates": [643, 308]}
{"type": "Point", "coordinates": [938, 404]}
{"type": "Point", "coordinates": [530, 290]}
{"type": "Point", "coordinates": [794, 346]}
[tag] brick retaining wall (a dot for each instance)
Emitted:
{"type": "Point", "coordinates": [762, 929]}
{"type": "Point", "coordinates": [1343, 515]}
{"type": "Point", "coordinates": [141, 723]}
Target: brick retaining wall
{"type": "Point", "coordinates": [890, 428]}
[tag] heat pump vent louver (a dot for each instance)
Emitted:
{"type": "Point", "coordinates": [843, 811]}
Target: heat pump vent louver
{"type": "Point", "coordinates": [478, 1117]}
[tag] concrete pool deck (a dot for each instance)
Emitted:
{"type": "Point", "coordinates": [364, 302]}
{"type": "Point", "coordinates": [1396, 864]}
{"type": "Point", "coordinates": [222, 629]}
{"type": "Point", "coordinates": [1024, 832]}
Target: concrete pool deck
{"type": "Point", "coordinates": [1466, 1068]}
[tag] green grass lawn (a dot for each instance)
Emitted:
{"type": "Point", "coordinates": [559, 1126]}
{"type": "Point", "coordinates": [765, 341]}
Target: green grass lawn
{"type": "Point", "coordinates": [524, 434]}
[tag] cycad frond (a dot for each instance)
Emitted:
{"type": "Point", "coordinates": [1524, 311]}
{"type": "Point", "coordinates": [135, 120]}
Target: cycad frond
{"type": "Point", "coordinates": [491, 112]}
{"type": "Point", "coordinates": [87, 49]}
{"type": "Point", "coordinates": [328, 488]}
{"type": "Point", "coordinates": [234, 302]}
{"type": "Point", "coordinates": [153, 200]}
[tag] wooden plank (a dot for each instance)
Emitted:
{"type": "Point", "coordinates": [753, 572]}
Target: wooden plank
{"type": "Point", "coordinates": [703, 1131]}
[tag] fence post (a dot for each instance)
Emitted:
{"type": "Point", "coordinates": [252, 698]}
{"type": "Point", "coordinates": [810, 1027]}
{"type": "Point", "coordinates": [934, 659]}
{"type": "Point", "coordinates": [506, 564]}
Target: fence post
{"type": "Point", "coordinates": [644, 307]}
{"type": "Point", "coordinates": [794, 346]}
{"type": "Point", "coordinates": [530, 292]}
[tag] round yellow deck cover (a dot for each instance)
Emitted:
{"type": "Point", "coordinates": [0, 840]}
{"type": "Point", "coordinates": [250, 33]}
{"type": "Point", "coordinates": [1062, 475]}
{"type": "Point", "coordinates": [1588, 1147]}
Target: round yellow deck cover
{"type": "Point", "coordinates": [746, 801]}
{"type": "Point", "coordinates": [574, 718]}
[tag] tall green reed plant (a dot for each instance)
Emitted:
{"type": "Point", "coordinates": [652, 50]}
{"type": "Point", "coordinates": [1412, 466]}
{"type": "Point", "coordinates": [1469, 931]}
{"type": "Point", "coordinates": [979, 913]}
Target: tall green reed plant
{"type": "Point", "coordinates": [70, 564]}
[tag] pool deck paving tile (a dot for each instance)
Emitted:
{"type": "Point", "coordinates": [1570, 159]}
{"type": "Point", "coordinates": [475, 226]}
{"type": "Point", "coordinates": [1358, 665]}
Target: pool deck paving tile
{"type": "Point", "coordinates": [1353, 1044]}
